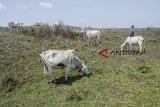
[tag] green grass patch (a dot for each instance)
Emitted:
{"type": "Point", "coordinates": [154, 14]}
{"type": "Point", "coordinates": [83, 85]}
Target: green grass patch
{"type": "Point", "coordinates": [117, 81]}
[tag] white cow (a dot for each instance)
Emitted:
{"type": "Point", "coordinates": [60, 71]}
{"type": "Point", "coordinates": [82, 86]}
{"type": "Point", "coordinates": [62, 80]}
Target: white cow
{"type": "Point", "coordinates": [91, 34]}
{"type": "Point", "coordinates": [133, 40]}
{"type": "Point", "coordinates": [62, 58]}
{"type": "Point", "coordinates": [16, 25]}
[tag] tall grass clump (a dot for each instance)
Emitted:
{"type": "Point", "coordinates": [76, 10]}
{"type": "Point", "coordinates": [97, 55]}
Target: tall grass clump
{"type": "Point", "coordinates": [44, 30]}
{"type": "Point", "coordinates": [38, 30]}
{"type": "Point", "coordinates": [65, 32]}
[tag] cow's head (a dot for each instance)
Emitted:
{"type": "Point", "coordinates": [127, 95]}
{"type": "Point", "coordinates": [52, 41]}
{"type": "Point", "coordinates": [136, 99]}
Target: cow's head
{"type": "Point", "coordinates": [84, 69]}
{"type": "Point", "coordinates": [83, 31]}
{"type": "Point", "coordinates": [123, 47]}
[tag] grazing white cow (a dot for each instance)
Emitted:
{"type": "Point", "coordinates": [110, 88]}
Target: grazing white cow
{"type": "Point", "coordinates": [62, 58]}
{"type": "Point", "coordinates": [133, 40]}
{"type": "Point", "coordinates": [91, 34]}
{"type": "Point", "coordinates": [15, 25]}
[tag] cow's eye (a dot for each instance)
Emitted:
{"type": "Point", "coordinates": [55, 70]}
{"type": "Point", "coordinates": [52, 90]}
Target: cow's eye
{"type": "Point", "coordinates": [81, 66]}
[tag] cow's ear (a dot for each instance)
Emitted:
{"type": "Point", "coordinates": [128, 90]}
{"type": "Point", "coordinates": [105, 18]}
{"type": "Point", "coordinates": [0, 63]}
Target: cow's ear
{"type": "Point", "coordinates": [85, 62]}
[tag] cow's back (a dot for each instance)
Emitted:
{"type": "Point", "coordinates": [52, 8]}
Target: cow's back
{"type": "Point", "coordinates": [55, 57]}
{"type": "Point", "coordinates": [134, 40]}
{"type": "Point", "coordinates": [93, 33]}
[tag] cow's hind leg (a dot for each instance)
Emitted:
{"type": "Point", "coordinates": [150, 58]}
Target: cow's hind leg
{"type": "Point", "coordinates": [46, 71]}
{"type": "Point", "coordinates": [131, 46]}
{"type": "Point", "coordinates": [50, 73]}
{"type": "Point", "coordinates": [143, 46]}
{"type": "Point", "coordinates": [89, 41]}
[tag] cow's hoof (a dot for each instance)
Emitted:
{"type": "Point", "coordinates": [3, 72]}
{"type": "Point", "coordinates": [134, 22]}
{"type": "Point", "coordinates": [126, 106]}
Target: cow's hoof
{"type": "Point", "coordinates": [52, 81]}
{"type": "Point", "coordinates": [66, 80]}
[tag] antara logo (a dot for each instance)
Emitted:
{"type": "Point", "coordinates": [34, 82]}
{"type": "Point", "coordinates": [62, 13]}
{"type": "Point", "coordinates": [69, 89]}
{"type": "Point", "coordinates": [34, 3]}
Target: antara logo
{"type": "Point", "coordinates": [106, 52]}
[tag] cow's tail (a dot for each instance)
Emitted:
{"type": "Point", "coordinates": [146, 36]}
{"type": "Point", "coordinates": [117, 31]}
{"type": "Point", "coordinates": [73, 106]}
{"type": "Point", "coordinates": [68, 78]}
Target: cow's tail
{"type": "Point", "coordinates": [42, 59]}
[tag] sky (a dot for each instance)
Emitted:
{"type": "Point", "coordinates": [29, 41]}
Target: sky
{"type": "Point", "coordinates": [94, 13]}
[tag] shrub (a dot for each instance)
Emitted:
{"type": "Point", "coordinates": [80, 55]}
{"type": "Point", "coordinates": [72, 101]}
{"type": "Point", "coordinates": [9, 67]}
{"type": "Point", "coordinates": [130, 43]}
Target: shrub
{"type": "Point", "coordinates": [38, 30]}
{"type": "Point", "coordinates": [63, 31]}
{"type": "Point", "coordinates": [9, 84]}
{"type": "Point", "coordinates": [44, 30]}
{"type": "Point", "coordinates": [144, 69]}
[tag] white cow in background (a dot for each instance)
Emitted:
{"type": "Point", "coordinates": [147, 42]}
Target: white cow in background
{"type": "Point", "coordinates": [88, 34]}
{"type": "Point", "coordinates": [62, 58]}
{"type": "Point", "coordinates": [16, 25]}
{"type": "Point", "coordinates": [133, 40]}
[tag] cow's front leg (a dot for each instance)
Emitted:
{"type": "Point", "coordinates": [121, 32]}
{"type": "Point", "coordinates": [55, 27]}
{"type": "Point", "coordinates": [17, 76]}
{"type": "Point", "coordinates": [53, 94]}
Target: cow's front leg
{"type": "Point", "coordinates": [131, 47]}
{"type": "Point", "coordinates": [86, 42]}
{"type": "Point", "coordinates": [73, 69]}
{"type": "Point", "coordinates": [89, 40]}
{"type": "Point", "coordinates": [67, 69]}
{"type": "Point", "coordinates": [140, 49]}
{"type": "Point", "coordinates": [126, 47]}
{"type": "Point", "coordinates": [17, 29]}
{"type": "Point", "coordinates": [73, 72]}
{"type": "Point", "coordinates": [99, 40]}
{"type": "Point", "coordinates": [53, 78]}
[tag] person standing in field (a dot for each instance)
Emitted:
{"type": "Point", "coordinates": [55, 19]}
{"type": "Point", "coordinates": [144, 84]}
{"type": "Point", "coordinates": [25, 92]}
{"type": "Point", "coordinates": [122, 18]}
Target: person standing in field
{"type": "Point", "coordinates": [132, 31]}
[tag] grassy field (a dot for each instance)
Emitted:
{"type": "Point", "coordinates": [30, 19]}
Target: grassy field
{"type": "Point", "coordinates": [117, 81]}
